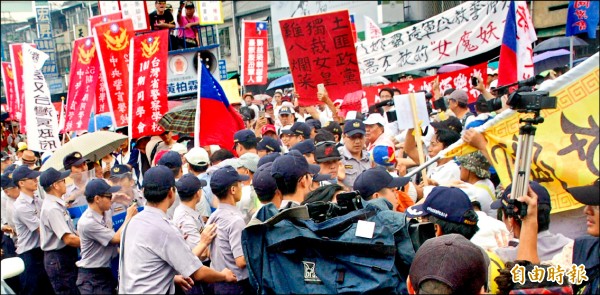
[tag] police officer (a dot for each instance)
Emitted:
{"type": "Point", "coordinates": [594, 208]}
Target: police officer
{"type": "Point", "coordinates": [57, 234]}
{"type": "Point", "coordinates": [154, 254]}
{"type": "Point", "coordinates": [354, 156]}
{"type": "Point", "coordinates": [78, 166]}
{"type": "Point", "coordinates": [34, 279]}
{"type": "Point", "coordinates": [120, 175]}
{"type": "Point", "coordinates": [186, 218]}
{"type": "Point", "coordinates": [98, 239]}
{"type": "Point", "coordinates": [9, 238]}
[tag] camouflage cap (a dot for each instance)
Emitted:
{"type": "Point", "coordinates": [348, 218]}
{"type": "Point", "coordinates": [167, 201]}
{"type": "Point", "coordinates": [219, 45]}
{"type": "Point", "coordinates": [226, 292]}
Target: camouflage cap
{"type": "Point", "coordinates": [476, 163]}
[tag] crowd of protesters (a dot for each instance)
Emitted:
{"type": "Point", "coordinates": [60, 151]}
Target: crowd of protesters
{"type": "Point", "coordinates": [197, 201]}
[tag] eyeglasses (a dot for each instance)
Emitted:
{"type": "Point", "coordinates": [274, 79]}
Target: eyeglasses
{"type": "Point", "coordinates": [34, 179]}
{"type": "Point", "coordinates": [108, 196]}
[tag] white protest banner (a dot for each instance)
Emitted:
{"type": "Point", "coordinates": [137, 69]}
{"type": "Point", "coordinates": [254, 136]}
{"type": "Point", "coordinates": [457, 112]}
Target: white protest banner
{"type": "Point", "coordinates": [372, 30]}
{"type": "Point", "coordinates": [469, 29]}
{"type": "Point", "coordinates": [42, 127]}
{"type": "Point", "coordinates": [404, 112]}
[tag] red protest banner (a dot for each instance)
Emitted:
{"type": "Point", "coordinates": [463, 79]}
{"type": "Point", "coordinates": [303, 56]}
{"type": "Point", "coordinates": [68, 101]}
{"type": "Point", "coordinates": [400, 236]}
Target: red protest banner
{"type": "Point", "coordinates": [148, 98]}
{"type": "Point", "coordinates": [112, 43]}
{"type": "Point", "coordinates": [254, 53]}
{"type": "Point", "coordinates": [16, 59]}
{"type": "Point", "coordinates": [8, 79]}
{"type": "Point", "coordinates": [82, 84]}
{"type": "Point", "coordinates": [94, 20]}
{"type": "Point", "coordinates": [460, 79]}
{"type": "Point", "coordinates": [320, 49]}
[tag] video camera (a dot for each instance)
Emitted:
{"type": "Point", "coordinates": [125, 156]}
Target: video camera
{"type": "Point", "coordinates": [351, 201]}
{"type": "Point", "coordinates": [523, 100]}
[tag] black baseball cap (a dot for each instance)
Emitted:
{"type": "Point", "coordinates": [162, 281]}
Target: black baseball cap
{"type": "Point", "coordinates": [540, 191]}
{"type": "Point", "coordinates": [312, 123]}
{"type": "Point", "coordinates": [23, 172]}
{"type": "Point", "coordinates": [267, 159]}
{"type": "Point", "coordinates": [120, 171]}
{"type": "Point", "coordinates": [352, 127]}
{"type": "Point", "coordinates": [306, 146]}
{"type": "Point", "coordinates": [246, 136]}
{"type": "Point", "coordinates": [7, 181]}
{"type": "Point", "coordinates": [333, 127]}
{"type": "Point", "coordinates": [189, 184]}
{"type": "Point", "coordinates": [171, 159]}
{"type": "Point", "coordinates": [587, 194]}
{"type": "Point", "coordinates": [375, 179]}
{"type": "Point", "coordinates": [262, 181]}
{"type": "Point", "coordinates": [159, 178]}
{"type": "Point", "coordinates": [73, 159]}
{"type": "Point", "coordinates": [447, 203]}
{"type": "Point", "coordinates": [299, 128]}
{"type": "Point", "coordinates": [51, 175]}
{"type": "Point", "coordinates": [268, 144]}
{"type": "Point", "coordinates": [292, 166]}
{"type": "Point", "coordinates": [326, 151]}
{"type": "Point", "coordinates": [97, 187]}
{"type": "Point", "coordinates": [224, 177]}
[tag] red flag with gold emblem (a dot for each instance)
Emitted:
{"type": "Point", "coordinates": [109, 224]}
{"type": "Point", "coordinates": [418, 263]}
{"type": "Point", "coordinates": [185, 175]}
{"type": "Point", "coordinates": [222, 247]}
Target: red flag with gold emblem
{"type": "Point", "coordinates": [8, 78]}
{"type": "Point", "coordinates": [82, 84]}
{"type": "Point", "coordinates": [100, 19]}
{"type": "Point", "coordinates": [148, 68]}
{"type": "Point", "coordinates": [112, 45]}
{"type": "Point", "coordinates": [16, 58]}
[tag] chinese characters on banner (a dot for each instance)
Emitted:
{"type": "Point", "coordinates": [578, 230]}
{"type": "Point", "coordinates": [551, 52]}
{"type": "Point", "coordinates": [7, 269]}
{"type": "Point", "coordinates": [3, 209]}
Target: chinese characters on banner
{"type": "Point", "coordinates": [469, 29]}
{"type": "Point", "coordinates": [94, 20]}
{"type": "Point", "coordinates": [101, 99]}
{"type": "Point", "coordinates": [16, 58]}
{"type": "Point", "coordinates": [8, 78]}
{"type": "Point", "coordinates": [148, 98]}
{"type": "Point", "coordinates": [254, 55]}
{"type": "Point", "coordinates": [458, 80]}
{"type": "Point", "coordinates": [42, 127]}
{"type": "Point", "coordinates": [210, 12]}
{"type": "Point", "coordinates": [320, 50]}
{"type": "Point", "coordinates": [82, 84]}
{"type": "Point", "coordinates": [138, 13]}
{"type": "Point", "coordinates": [372, 30]}
{"type": "Point", "coordinates": [582, 17]}
{"type": "Point", "coordinates": [112, 46]}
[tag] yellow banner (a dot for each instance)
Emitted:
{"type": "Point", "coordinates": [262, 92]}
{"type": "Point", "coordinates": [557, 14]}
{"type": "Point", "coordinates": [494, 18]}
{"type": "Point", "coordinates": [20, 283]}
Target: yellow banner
{"type": "Point", "coordinates": [565, 149]}
{"type": "Point", "coordinates": [232, 91]}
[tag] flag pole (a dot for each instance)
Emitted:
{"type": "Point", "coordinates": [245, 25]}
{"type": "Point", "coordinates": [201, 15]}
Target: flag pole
{"type": "Point", "coordinates": [242, 61]}
{"type": "Point", "coordinates": [571, 52]}
{"type": "Point", "coordinates": [197, 116]}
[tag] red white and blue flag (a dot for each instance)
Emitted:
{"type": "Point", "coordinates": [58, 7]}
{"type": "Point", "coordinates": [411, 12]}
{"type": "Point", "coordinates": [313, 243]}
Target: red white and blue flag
{"type": "Point", "coordinates": [516, 54]}
{"type": "Point", "coordinates": [216, 120]}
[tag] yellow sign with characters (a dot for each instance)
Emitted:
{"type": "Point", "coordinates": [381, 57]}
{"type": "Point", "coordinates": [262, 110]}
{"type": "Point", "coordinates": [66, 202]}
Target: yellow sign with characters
{"type": "Point", "coordinates": [565, 149]}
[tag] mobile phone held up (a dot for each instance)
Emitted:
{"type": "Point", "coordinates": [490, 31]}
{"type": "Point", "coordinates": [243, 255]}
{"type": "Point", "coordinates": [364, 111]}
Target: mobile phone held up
{"type": "Point", "coordinates": [473, 81]}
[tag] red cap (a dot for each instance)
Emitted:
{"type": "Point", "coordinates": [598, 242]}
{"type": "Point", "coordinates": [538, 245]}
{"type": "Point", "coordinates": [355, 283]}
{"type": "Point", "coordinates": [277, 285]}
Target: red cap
{"type": "Point", "coordinates": [267, 128]}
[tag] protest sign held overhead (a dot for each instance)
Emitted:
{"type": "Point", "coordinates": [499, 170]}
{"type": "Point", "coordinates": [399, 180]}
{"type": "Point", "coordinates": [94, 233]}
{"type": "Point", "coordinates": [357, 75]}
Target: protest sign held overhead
{"type": "Point", "coordinates": [42, 127]}
{"type": "Point", "coordinates": [8, 77]}
{"type": "Point", "coordinates": [148, 97]}
{"type": "Point", "coordinates": [582, 17]}
{"type": "Point", "coordinates": [254, 53]}
{"type": "Point", "coordinates": [112, 43]}
{"type": "Point", "coordinates": [321, 51]}
{"type": "Point", "coordinates": [467, 30]}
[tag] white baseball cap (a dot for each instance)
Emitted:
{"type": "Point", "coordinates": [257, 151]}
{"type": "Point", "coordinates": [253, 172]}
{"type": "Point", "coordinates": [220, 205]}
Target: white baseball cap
{"type": "Point", "coordinates": [375, 118]}
{"type": "Point", "coordinates": [197, 156]}
{"type": "Point", "coordinates": [179, 147]}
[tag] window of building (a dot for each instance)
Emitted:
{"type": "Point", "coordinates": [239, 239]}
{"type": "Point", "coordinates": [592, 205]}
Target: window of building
{"type": "Point", "coordinates": [225, 42]}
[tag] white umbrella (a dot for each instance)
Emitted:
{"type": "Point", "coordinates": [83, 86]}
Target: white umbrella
{"type": "Point", "coordinates": [92, 146]}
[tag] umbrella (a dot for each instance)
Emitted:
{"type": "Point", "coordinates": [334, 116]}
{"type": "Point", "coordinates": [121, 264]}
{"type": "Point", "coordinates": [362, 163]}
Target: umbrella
{"type": "Point", "coordinates": [550, 59]}
{"type": "Point", "coordinates": [451, 68]}
{"type": "Point", "coordinates": [557, 43]}
{"type": "Point", "coordinates": [374, 80]}
{"type": "Point", "coordinates": [102, 121]}
{"type": "Point", "coordinates": [283, 81]}
{"type": "Point", "coordinates": [579, 60]}
{"type": "Point", "coordinates": [493, 65]}
{"type": "Point", "coordinates": [92, 146]}
{"type": "Point", "coordinates": [181, 118]}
